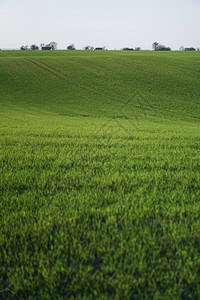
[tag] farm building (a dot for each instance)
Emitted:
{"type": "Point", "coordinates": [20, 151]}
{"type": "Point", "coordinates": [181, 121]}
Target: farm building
{"type": "Point", "coordinates": [47, 48]}
{"type": "Point", "coordinates": [190, 49]}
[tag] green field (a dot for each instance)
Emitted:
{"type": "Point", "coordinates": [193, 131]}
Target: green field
{"type": "Point", "coordinates": [99, 175]}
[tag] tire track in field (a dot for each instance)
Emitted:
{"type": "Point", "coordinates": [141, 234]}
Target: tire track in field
{"type": "Point", "coordinates": [105, 130]}
{"type": "Point", "coordinates": [65, 78]}
{"type": "Point", "coordinates": [61, 76]}
{"type": "Point", "coordinates": [143, 103]}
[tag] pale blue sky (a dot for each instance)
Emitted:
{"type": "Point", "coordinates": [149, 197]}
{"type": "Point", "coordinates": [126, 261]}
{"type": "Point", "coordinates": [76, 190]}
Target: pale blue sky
{"type": "Point", "coordinates": [110, 23]}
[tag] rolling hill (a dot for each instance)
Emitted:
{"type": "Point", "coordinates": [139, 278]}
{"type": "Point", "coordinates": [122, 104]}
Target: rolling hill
{"type": "Point", "coordinates": [99, 181]}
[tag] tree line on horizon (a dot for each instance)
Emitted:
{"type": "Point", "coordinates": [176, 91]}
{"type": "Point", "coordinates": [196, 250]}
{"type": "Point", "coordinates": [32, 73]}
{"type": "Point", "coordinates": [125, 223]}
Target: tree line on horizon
{"type": "Point", "coordinates": [54, 46]}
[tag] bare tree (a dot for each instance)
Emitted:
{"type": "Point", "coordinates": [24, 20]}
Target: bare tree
{"type": "Point", "coordinates": [42, 45]}
{"type": "Point", "coordinates": [53, 45]}
{"type": "Point", "coordinates": [154, 46]}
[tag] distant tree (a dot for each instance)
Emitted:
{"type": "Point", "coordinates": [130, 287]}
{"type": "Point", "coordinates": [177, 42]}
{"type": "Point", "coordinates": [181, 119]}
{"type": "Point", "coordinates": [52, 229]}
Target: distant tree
{"type": "Point", "coordinates": [42, 45]}
{"type": "Point", "coordinates": [71, 47]}
{"type": "Point", "coordinates": [127, 49]}
{"type": "Point", "coordinates": [158, 47]}
{"type": "Point", "coordinates": [53, 45]}
{"type": "Point", "coordinates": [182, 48]}
{"type": "Point", "coordinates": [88, 48]}
{"type": "Point", "coordinates": [154, 46]}
{"type": "Point", "coordinates": [24, 47]}
{"type": "Point", "coordinates": [198, 49]}
{"type": "Point", "coordinates": [163, 48]}
{"type": "Point", "coordinates": [34, 47]}
{"type": "Point", "coordinates": [137, 49]}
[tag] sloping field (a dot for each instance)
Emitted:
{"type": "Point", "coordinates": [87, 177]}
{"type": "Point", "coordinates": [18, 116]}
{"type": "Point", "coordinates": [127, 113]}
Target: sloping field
{"type": "Point", "coordinates": [100, 175]}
